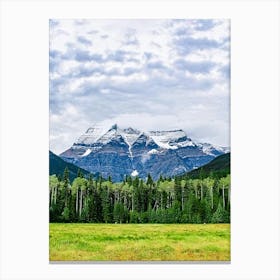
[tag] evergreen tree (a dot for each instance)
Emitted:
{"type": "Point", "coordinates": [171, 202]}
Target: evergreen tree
{"type": "Point", "coordinates": [135, 201]}
{"type": "Point", "coordinates": [220, 215]}
{"type": "Point", "coordinates": [149, 180]}
{"type": "Point", "coordinates": [66, 214]}
{"type": "Point", "coordinates": [119, 213]}
{"type": "Point", "coordinates": [80, 173]}
{"type": "Point", "coordinates": [66, 185]}
{"type": "Point", "coordinates": [106, 204]}
{"type": "Point", "coordinates": [178, 192]}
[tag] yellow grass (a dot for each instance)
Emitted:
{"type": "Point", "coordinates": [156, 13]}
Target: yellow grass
{"type": "Point", "coordinates": [139, 242]}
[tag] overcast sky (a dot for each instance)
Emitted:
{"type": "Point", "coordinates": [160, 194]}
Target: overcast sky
{"type": "Point", "coordinates": [148, 74]}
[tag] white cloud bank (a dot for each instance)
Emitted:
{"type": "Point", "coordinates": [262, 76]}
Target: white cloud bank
{"type": "Point", "coordinates": [148, 74]}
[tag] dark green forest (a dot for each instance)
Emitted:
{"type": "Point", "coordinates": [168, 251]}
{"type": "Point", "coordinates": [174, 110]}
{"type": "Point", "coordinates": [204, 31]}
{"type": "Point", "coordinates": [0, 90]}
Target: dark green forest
{"type": "Point", "coordinates": [218, 167]}
{"type": "Point", "coordinates": [57, 166]}
{"type": "Point", "coordinates": [167, 200]}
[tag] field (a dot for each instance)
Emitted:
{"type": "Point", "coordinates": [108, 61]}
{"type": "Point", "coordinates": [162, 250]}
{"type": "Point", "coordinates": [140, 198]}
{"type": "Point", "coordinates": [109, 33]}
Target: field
{"type": "Point", "coordinates": [139, 242]}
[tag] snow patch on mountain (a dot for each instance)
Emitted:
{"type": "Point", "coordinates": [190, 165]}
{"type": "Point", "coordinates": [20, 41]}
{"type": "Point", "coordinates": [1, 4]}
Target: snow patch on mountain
{"type": "Point", "coordinates": [113, 150]}
{"type": "Point", "coordinates": [167, 136]}
{"type": "Point", "coordinates": [153, 152]}
{"type": "Point", "coordinates": [163, 138]}
{"type": "Point", "coordinates": [86, 153]}
{"type": "Point", "coordinates": [130, 135]}
{"type": "Point", "coordinates": [187, 143]}
{"type": "Point", "coordinates": [134, 173]}
{"type": "Point", "coordinates": [92, 134]}
{"type": "Point", "coordinates": [209, 149]}
{"type": "Point", "coordinates": [109, 135]}
{"type": "Point", "coordinates": [101, 134]}
{"type": "Point", "coordinates": [171, 139]}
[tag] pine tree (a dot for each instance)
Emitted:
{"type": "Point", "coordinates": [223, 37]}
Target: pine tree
{"type": "Point", "coordinates": [80, 173]}
{"type": "Point", "coordinates": [106, 205]}
{"type": "Point", "coordinates": [220, 215]}
{"type": "Point", "coordinates": [118, 213]}
{"type": "Point", "coordinates": [178, 192]}
{"type": "Point", "coordinates": [149, 180]}
{"type": "Point", "coordinates": [135, 201]}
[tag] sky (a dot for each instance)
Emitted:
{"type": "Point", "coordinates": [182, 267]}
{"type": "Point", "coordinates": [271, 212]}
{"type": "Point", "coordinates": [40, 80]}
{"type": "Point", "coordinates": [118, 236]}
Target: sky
{"type": "Point", "coordinates": [149, 74]}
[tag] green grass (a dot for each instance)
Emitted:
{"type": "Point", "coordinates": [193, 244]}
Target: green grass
{"type": "Point", "coordinates": [139, 242]}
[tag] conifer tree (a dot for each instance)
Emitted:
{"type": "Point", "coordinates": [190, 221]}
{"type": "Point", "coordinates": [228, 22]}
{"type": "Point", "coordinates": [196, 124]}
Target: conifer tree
{"type": "Point", "coordinates": [178, 192]}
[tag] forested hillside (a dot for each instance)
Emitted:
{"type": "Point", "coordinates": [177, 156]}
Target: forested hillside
{"type": "Point", "coordinates": [57, 166]}
{"type": "Point", "coordinates": [139, 201]}
{"type": "Point", "coordinates": [218, 167]}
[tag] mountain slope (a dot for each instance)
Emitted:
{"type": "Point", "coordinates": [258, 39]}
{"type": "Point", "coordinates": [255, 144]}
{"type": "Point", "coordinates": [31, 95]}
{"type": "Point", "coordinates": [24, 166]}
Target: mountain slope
{"type": "Point", "coordinates": [219, 167]}
{"type": "Point", "coordinates": [58, 165]}
{"type": "Point", "coordinates": [119, 151]}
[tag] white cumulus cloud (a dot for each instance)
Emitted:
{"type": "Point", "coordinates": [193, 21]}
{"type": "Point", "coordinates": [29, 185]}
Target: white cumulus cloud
{"type": "Point", "coordinates": [148, 74]}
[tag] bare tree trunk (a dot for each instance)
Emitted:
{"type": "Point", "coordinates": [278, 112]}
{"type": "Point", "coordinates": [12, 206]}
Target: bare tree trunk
{"type": "Point", "coordinates": [201, 190]}
{"type": "Point", "coordinates": [124, 202]}
{"type": "Point", "coordinates": [51, 196]}
{"type": "Point", "coordinates": [182, 198]}
{"type": "Point", "coordinates": [228, 195]}
{"type": "Point", "coordinates": [156, 202]}
{"type": "Point", "coordinates": [212, 202]}
{"type": "Point", "coordinates": [81, 202]}
{"type": "Point", "coordinates": [195, 192]}
{"type": "Point", "coordinates": [55, 194]}
{"type": "Point", "coordinates": [66, 197]}
{"type": "Point", "coordinates": [223, 196]}
{"type": "Point", "coordinates": [77, 200]}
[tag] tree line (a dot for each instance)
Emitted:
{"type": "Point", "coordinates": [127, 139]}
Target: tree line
{"type": "Point", "coordinates": [167, 200]}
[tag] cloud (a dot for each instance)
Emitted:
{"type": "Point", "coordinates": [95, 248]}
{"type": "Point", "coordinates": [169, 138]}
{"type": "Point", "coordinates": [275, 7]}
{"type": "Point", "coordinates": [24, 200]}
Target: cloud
{"type": "Point", "coordinates": [156, 65]}
{"type": "Point", "coordinates": [194, 67]}
{"type": "Point", "coordinates": [187, 44]}
{"type": "Point", "coordinates": [154, 74]}
{"type": "Point", "coordinates": [83, 40]}
{"type": "Point", "coordinates": [119, 55]}
{"type": "Point", "coordinates": [81, 55]}
{"type": "Point", "coordinates": [91, 32]}
{"type": "Point", "coordinates": [130, 38]}
{"type": "Point", "coordinates": [81, 21]}
{"type": "Point", "coordinates": [205, 24]}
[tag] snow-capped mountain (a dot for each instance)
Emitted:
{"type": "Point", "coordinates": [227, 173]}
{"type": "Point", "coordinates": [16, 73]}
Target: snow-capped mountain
{"type": "Point", "coordinates": [119, 151]}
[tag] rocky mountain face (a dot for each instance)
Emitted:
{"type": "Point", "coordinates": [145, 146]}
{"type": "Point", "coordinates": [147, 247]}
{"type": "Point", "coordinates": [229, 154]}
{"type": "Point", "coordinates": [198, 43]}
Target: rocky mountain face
{"type": "Point", "coordinates": [118, 152]}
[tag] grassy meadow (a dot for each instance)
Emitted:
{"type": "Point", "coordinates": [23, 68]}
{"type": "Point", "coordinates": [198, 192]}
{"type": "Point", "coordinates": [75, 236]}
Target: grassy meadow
{"type": "Point", "coordinates": [139, 242]}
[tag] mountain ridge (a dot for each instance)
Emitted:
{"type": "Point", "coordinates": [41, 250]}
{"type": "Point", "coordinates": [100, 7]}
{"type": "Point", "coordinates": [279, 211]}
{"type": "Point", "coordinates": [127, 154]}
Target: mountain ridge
{"type": "Point", "coordinates": [57, 166]}
{"type": "Point", "coordinates": [117, 152]}
{"type": "Point", "coordinates": [218, 167]}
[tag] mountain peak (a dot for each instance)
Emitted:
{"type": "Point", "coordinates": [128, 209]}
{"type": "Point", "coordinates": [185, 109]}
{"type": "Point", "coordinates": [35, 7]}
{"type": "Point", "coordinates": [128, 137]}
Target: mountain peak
{"type": "Point", "coordinates": [131, 130]}
{"type": "Point", "coordinates": [114, 126]}
{"type": "Point", "coordinates": [113, 150]}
